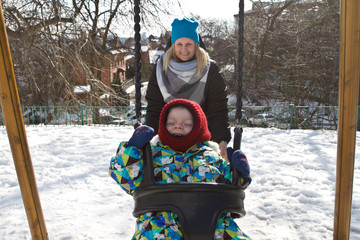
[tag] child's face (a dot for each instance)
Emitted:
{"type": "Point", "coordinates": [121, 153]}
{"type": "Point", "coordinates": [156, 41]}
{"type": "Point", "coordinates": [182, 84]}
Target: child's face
{"type": "Point", "coordinates": [179, 122]}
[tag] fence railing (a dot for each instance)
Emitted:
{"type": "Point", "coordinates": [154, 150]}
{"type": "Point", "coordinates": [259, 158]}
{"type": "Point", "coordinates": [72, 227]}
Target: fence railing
{"type": "Point", "coordinates": [283, 117]}
{"type": "Point", "coordinates": [290, 117]}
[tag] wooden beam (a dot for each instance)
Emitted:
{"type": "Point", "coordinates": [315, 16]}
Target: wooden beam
{"type": "Point", "coordinates": [348, 109]}
{"type": "Point", "coordinates": [14, 123]}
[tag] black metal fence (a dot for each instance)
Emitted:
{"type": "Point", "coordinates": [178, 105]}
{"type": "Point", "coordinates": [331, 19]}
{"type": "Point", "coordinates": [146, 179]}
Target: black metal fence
{"type": "Point", "coordinates": [283, 117]}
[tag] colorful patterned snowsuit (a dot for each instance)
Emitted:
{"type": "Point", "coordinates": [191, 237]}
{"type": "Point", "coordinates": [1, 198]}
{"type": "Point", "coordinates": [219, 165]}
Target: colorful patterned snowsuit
{"type": "Point", "coordinates": [200, 163]}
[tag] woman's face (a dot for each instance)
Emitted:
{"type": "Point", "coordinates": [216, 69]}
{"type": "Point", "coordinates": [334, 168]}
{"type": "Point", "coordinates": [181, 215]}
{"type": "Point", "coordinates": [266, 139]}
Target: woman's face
{"type": "Point", "coordinates": [185, 49]}
{"type": "Point", "coordinates": [179, 122]}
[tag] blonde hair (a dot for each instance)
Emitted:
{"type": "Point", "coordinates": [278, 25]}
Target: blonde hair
{"type": "Point", "coordinates": [200, 55]}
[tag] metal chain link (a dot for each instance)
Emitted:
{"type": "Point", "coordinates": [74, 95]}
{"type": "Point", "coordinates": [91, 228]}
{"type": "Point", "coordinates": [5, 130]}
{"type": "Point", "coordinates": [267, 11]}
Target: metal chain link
{"type": "Point", "coordinates": [137, 62]}
{"type": "Point", "coordinates": [240, 62]}
{"type": "Point", "coordinates": [238, 115]}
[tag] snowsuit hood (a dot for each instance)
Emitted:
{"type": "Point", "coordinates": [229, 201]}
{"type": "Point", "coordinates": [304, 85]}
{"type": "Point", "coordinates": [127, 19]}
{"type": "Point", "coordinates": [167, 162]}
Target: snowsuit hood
{"type": "Point", "coordinates": [199, 133]}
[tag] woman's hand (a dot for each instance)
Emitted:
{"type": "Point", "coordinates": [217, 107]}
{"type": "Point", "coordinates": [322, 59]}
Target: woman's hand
{"type": "Point", "coordinates": [223, 146]}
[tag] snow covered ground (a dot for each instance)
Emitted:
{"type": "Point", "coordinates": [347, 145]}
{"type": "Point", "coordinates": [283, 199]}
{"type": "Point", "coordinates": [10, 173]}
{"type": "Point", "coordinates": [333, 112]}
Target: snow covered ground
{"type": "Point", "coordinates": [291, 196]}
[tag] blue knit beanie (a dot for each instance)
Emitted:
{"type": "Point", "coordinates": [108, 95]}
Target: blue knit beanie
{"type": "Point", "coordinates": [186, 27]}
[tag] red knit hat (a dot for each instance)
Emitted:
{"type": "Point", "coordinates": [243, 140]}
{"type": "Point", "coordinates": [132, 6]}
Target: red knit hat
{"type": "Point", "coordinates": [199, 133]}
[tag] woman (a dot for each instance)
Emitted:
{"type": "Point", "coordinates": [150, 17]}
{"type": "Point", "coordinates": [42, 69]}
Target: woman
{"type": "Point", "coordinates": [186, 71]}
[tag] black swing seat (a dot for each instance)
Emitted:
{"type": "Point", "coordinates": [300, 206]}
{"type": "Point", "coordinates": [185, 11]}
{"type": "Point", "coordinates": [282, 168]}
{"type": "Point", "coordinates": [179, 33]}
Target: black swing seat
{"type": "Point", "coordinates": [198, 205]}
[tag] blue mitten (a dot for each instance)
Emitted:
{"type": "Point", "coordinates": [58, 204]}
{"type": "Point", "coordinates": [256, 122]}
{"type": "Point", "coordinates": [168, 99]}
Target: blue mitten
{"type": "Point", "coordinates": [141, 136]}
{"type": "Point", "coordinates": [239, 161]}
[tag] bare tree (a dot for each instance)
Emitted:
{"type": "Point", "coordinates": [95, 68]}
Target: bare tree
{"type": "Point", "coordinates": [291, 52]}
{"type": "Point", "coordinates": [221, 43]}
{"type": "Point", "coordinates": [48, 38]}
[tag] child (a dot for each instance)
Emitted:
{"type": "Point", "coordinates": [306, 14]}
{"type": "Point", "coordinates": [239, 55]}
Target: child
{"type": "Point", "coordinates": [181, 152]}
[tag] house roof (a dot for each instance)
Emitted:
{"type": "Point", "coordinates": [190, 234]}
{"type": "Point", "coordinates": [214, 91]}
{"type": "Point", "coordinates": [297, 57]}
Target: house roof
{"type": "Point", "coordinates": [144, 48]}
{"type": "Point", "coordinates": [82, 89]}
{"type": "Point", "coordinates": [154, 55]}
{"type": "Point", "coordinates": [129, 57]}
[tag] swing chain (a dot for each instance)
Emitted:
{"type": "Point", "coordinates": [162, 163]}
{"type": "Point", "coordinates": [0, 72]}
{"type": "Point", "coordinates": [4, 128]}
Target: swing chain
{"type": "Point", "coordinates": [238, 129]}
{"type": "Point", "coordinates": [137, 62]}
{"type": "Point", "coordinates": [240, 62]}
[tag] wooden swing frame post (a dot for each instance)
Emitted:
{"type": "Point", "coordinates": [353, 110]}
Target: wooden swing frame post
{"type": "Point", "coordinates": [10, 104]}
{"type": "Point", "coordinates": [348, 110]}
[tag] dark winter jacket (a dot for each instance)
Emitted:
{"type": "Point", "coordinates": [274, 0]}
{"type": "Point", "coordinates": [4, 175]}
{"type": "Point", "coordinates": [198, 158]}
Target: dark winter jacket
{"type": "Point", "coordinates": [214, 106]}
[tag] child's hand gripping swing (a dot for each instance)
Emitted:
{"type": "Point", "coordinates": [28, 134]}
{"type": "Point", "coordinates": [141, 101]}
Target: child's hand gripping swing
{"type": "Point", "coordinates": [142, 135]}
